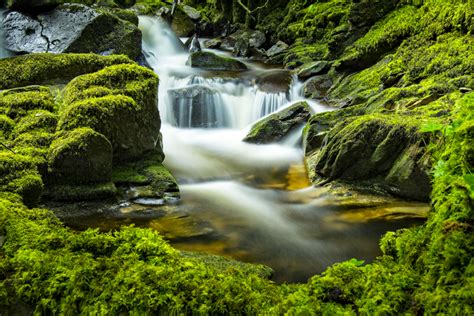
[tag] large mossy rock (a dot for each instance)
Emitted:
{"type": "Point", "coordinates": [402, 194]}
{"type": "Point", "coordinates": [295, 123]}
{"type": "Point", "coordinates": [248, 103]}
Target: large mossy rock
{"type": "Point", "coordinates": [72, 28]}
{"type": "Point", "coordinates": [34, 69]}
{"type": "Point", "coordinates": [80, 156]}
{"type": "Point", "coordinates": [384, 153]}
{"type": "Point", "coordinates": [120, 102]}
{"type": "Point", "coordinates": [211, 61]}
{"type": "Point", "coordinates": [275, 126]}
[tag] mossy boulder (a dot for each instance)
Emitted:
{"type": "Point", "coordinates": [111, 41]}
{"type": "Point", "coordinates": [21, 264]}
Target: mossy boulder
{"type": "Point", "coordinates": [277, 125]}
{"type": "Point", "coordinates": [317, 87]}
{"type": "Point", "coordinates": [211, 61]}
{"type": "Point", "coordinates": [120, 103]}
{"type": "Point", "coordinates": [312, 69]}
{"type": "Point", "coordinates": [80, 156]}
{"type": "Point", "coordinates": [72, 28]}
{"type": "Point", "coordinates": [19, 175]}
{"type": "Point", "coordinates": [384, 152]}
{"type": "Point", "coordinates": [34, 69]}
{"type": "Point", "coordinates": [37, 120]}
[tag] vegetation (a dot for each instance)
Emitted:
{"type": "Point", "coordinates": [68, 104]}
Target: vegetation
{"type": "Point", "coordinates": [401, 69]}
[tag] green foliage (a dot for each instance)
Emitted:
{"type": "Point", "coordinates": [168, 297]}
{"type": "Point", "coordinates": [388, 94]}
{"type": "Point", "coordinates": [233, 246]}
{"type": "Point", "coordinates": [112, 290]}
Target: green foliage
{"type": "Point", "coordinates": [43, 68]}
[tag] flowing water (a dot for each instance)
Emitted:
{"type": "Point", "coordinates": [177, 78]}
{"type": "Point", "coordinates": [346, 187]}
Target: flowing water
{"type": "Point", "coordinates": [3, 51]}
{"type": "Point", "coordinates": [249, 202]}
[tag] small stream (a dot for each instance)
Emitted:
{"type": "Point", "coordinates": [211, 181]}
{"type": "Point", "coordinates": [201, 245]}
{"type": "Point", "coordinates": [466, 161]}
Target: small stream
{"type": "Point", "coordinates": [248, 202]}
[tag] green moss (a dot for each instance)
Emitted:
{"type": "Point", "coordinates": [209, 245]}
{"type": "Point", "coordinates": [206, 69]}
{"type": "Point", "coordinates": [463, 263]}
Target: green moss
{"type": "Point", "coordinates": [119, 102]}
{"type": "Point", "coordinates": [17, 102]}
{"type": "Point", "coordinates": [6, 127]}
{"type": "Point", "coordinates": [80, 156]}
{"type": "Point", "coordinates": [46, 68]}
{"type": "Point", "coordinates": [128, 175]}
{"type": "Point", "coordinates": [37, 120]}
{"type": "Point", "coordinates": [77, 192]}
{"type": "Point", "coordinates": [19, 175]}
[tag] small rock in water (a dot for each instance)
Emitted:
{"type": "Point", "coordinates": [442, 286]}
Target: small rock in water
{"type": "Point", "coordinates": [213, 43]}
{"type": "Point", "coordinates": [195, 46]}
{"type": "Point", "coordinates": [150, 202]}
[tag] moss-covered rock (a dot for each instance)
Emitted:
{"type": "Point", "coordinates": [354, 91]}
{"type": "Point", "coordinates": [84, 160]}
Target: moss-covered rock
{"type": "Point", "coordinates": [51, 68]}
{"type": "Point", "coordinates": [182, 24]}
{"type": "Point", "coordinates": [120, 103]}
{"type": "Point", "coordinates": [211, 61]}
{"type": "Point", "coordinates": [80, 156]}
{"type": "Point", "coordinates": [277, 125]}
{"type": "Point", "coordinates": [376, 148]}
{"type": "Point", "coordinates": [37, 120]}
{"type": "Point", "coordinates": [19, 175]}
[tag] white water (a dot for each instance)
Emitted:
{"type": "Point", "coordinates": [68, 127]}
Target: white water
{"type": "Point", "coordinates": [205, 116]}
{"type": "Point", "coordinates": [3, 51]}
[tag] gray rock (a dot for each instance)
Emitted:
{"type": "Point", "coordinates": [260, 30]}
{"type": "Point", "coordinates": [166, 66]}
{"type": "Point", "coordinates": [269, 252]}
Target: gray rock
{"type": "Point", "coordinates": [191, 12]}
{"type": "Point", "coordinates": [275, 126]}
{"type": "Point", "coordinates": [211, 61]}
{"type": "Point", "coordinates": [275, 81]}
{"type": "Point", "coordinates": [72, 28]}
{"type": "Point", "coordinates": [276, 49]}
{"type": "Point", "coordinates": [317, 87]}
{"type": "Point", "coordinates": [312, 69]}
{"type": "Point", "coordinates": [246, 42]}
{"type": "Point", "coordinates": [23, 34]}
{"type": "Point", "coordinates": [257, 39]}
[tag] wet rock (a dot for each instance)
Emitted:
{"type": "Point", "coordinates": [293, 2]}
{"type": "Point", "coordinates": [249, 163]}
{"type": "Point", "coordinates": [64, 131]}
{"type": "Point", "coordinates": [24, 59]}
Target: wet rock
{"type": "Point", "coordinates": [275, 81]}
{"type": "Point", "coordinates": [192, 13]}
{"type": "Point", "coordinates": [275, 126]}
{"type": "Point", "coordinates": [317, 87]}
{"type": "Point", "coordinates": [390, 156]}
{"type": "Point", "coordinates": [211, 61]}
{"type": "Point", "coordinates": [312, 69]}
{"type": "Point", "coordinates": [276, 49]}
{"type": "Point", "coordinates": [213, 43]}
{"type": "Point", "coordinates": [71, 28]}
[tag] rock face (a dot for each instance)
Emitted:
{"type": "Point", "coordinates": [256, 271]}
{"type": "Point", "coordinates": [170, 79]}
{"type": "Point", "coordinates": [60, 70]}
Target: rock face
{"type": "Point", "coordinates": [211, 61]}
{"type": "Point", "coordinates": [182, 24]}
{"type": "Point", "coordinates": [72, 28]}
{"type": "Point", "coordinates": [275, 81]}
{"type": "Point", "coordinates": [374, 150]}
{"type": "Point", "coordinates": [275, 126]}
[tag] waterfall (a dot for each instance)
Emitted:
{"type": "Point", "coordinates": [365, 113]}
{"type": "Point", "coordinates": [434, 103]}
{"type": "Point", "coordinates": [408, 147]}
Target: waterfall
{"type": "Point", "coordinates": [3, 51]}
{"type": "Point", "coordinates": [266, 103]}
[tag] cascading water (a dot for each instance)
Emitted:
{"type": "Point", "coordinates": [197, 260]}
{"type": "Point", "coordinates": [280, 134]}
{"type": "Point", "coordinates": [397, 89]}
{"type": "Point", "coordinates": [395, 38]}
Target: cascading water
{"type": "Point", "coordinates": [250, 202]}
{"type": "Point", "coordinates": [3, 51]}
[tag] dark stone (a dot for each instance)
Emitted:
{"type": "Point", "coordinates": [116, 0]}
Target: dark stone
{"type": "Point", "coordinates": [275, 126]}
{"type": "Point", "coordinates": [71, 28]}
{"type": "Point", "coordinates": [275, 81]}
{"type": "Point", "coordinates": [213, 43]}
{"type": "Point", "coordinates": [317, 87]}
{"type": "Point", "coordinates": [211, 61]}
{"type": "Point", "coordinates": [276, 49]}
{"type": "Point", "coordinates": [312, 69]}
